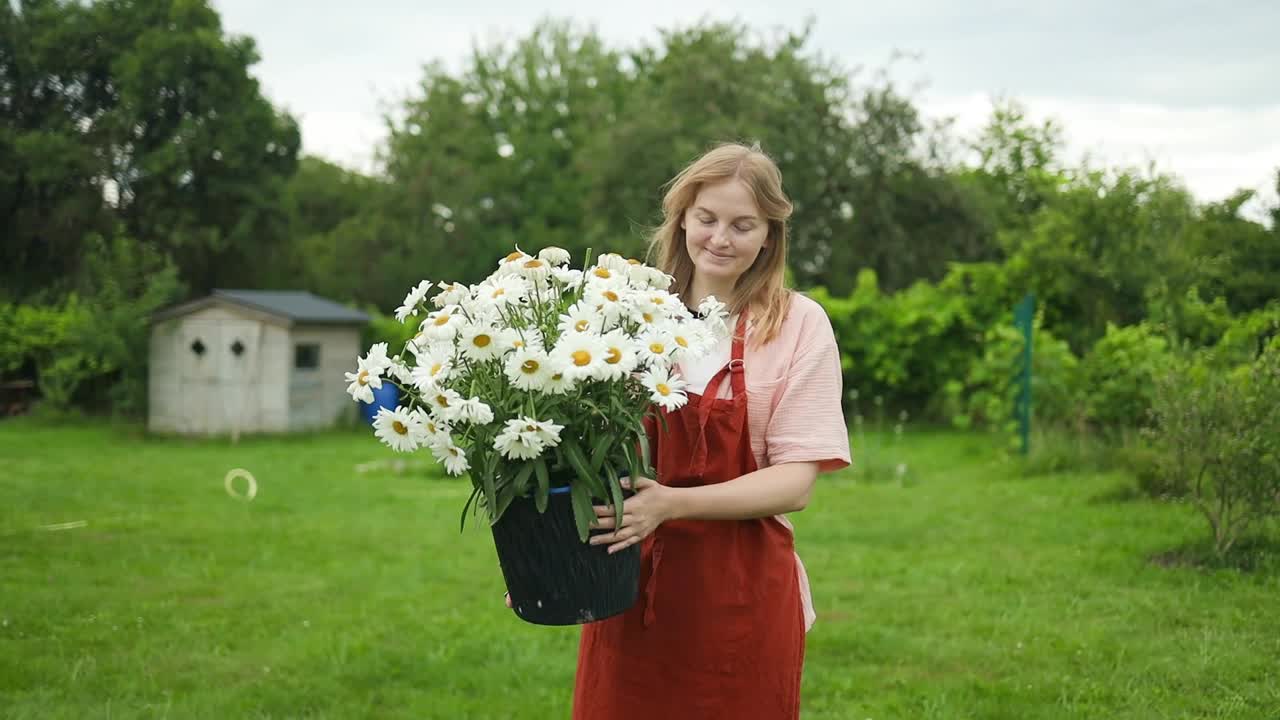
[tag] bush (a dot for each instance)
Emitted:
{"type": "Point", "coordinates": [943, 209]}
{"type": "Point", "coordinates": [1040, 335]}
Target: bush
{"type": "Point", "coordinates": [99, 333]}
{"type": "Point", "coordinates": [1218, 435]}
{"type": "Point", "coordinates": [1119, 374]}
{"type": "Point", "coordinates": [986, 395]}
{"type": "Point", "coordinates": [904, 346]}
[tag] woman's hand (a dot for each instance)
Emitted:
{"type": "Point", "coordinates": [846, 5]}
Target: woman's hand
{"type": "Point", "coordinates": [650, 506]}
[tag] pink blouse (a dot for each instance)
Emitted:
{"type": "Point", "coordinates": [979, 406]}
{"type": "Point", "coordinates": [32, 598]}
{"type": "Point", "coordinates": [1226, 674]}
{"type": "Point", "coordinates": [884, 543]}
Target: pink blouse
{"type": "Point", "coordinates": [794, 389]}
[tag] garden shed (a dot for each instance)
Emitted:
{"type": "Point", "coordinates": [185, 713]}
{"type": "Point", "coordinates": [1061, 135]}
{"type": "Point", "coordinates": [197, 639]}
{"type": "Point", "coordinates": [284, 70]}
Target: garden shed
{"type": "Point", "coordinates": [251, 361]}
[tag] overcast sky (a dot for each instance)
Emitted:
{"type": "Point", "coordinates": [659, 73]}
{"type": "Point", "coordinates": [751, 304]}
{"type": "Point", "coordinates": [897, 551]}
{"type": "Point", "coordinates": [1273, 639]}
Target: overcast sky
{"type": "Point", "coordinates": [1192, 85]}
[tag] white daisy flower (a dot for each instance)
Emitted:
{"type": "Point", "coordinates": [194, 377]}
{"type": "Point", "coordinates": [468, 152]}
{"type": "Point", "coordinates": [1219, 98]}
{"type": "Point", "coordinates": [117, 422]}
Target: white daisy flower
{"type": "Point", "coordinates": [501, 290]}
{"type": "Point", "coordinates": [451, 294]}
{"type": "Point", "coordinates": [554, 255]}
{"type": "Point", "coordinates": [451, 456]}
{"type": "Point", "coordinates": [713, 313]}
{"type": "Point", "coordinates": [409, 307]}
{"type": "Point", "coordinates": [473, 410]}
{"type": "Point", "coordinates": [377, 357]}
{"type": "Point", "coordinates": [528, 368]}
{"type": "Point", "coordinates": [580, 318]}
{"type": "Point", "coordinates": [650, 277]}
{"type": "Point", "coordinates": [363, 381]}
{"type": "Point", "coordinates": [514, 256]}
{"type": "Point", "coordinates": [692, 339]}
{"type": "Point", "coordinates": [611, 301]}
{"type": "Point", "coordinates": [433, 366]}
{"type": "Point", "coordinates": [656, 347]}
{"type": "Point", "coordinates": [524, 438]}
{"type": "Point", "coordinates": [435, 431]}
{"type": "Point", "coordinates": [444, 403]}
{"type": "Point", "coordinates": [481, 341]}
{"type": "Point", "coordinates": [620, 355]}
{"type": "Point", "coordinates": [443, 324]}
{"type": "Point", "coordinates": [665, 388]}
{"type": "Point", "coordinates": [582, 355]}
{"type": "Point", "coordinates": [399, 429]}
{"type": "Point", "coordinates": [401, 372]}
{"type": "Point", "coordinates": [559, 381]}
{"type": "Point", "coordinates": [568, 277]}
{"type": "Point", "coordinates": [530, 338]}
{"type": "Point", "coordinates": [601, 273]}
{"type": "Point", "coordinates": [514, 446]}
{"type": "Point", "coordinates": [615, 263]}
{"type": "Point", "coordinates": [545, 431]}
{"type": "Point", "coordinates": [534, 270]}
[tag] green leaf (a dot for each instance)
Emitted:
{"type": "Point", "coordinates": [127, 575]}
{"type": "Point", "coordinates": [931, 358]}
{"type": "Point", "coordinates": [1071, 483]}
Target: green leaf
{"type": "Point", "coordinates": [490, 494]}
{"type": "Point", "coordinates": [579, 463]}
{"type": "Point", "coordinates": [615, 490]}
{"type": "Point", "coordinates": [583, 512]}
{"type": "Point", "coordinates": [505, 495]}
{"type": "Point", "coordinates": [600, 452]}
{"type": "Point", "coordinates": [544, 484]}
{"type": "Point", "coordinates": [633, 467]}
{"type": "Point", "coordinates": [462, 524]}
{"type": "Point", "coordinates": [521, 482]}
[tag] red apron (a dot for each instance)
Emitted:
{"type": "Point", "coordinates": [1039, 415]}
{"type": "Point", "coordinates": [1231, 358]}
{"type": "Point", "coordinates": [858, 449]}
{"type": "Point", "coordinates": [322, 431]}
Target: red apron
{"type": "Point", "coordinates": [718, 631]}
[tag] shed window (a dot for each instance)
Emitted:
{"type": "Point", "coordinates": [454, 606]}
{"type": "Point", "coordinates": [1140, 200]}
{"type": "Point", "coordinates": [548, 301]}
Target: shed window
{"type": "Point", "coordinates": [306, 356]}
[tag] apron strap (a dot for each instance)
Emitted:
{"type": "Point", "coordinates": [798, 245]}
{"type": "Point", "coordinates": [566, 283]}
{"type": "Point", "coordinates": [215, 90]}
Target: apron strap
{"type": "Point", "coordinates": [736, 370]}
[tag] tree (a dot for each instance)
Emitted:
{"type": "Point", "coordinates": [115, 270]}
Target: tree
{"type": "Point", "coordinates": [142, 112]}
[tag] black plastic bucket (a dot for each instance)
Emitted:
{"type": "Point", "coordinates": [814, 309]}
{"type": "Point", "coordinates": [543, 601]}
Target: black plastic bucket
{"type": "Point", "coordinates": [553, 577]}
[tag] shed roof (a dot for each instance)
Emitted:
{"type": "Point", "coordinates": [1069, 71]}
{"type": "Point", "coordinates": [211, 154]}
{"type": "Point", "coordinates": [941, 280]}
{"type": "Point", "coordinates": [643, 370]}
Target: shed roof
{"type": "Point", "coordinates": [294, 305]}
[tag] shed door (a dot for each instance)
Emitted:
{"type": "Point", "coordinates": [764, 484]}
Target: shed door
{"type": "Point", "coordinates": [219, 375]}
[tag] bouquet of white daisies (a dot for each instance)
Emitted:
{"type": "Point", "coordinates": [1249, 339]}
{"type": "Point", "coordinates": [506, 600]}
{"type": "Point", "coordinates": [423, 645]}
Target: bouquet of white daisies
{"type": "Point", "coordinates": [539, 377]}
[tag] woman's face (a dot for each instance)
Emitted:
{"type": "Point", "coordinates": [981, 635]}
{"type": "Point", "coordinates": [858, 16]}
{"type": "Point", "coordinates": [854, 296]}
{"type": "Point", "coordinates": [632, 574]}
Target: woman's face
{"type": "Point", "coordinates": [724, 231]}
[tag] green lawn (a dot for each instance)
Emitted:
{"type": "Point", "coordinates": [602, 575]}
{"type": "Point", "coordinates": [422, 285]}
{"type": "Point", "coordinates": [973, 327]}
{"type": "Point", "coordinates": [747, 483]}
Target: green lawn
{"type": "Point", "coordinates": [971, 592]}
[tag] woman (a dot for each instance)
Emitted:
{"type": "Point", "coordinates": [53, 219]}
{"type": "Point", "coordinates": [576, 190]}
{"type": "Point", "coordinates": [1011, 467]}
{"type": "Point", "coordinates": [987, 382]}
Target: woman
{"type": "Point", "coordinates": [718, 631]}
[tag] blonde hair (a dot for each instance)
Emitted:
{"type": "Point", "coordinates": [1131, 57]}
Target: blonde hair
{"type": "Point", "coordinates": [761, 289]}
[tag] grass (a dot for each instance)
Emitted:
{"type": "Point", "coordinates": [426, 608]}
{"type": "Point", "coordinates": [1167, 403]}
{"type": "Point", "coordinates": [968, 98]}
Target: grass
{"type": "Point", "coordinates": [967, 591]}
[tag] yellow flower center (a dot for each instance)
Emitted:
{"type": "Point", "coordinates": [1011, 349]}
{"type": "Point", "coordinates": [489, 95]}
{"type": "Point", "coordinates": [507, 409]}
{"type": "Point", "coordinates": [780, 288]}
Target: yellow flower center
{"type": "Point", "coordinates": [602, 273]}
{"type": "Point", "coordinates": [498, 293]}
{"type": "Point", "coordinates": [663, 389]}
{"type": "Point", "coordinates": [657, 348]}
{"type": "Point", "coordinates": [534, 264]}
{"type": "Point", "coordinates": [682, 342]}
{"type": "Point", "coordinates": [442, 320]}
{"type": "Point", "coordinates": [399, 428]}
{"type": "Point", "coordinates": [431, 428]}
{"type": "Point", "coordinates": [582, 325]}
{"type": "Point", "coordinates": [610, 295]}
{"type": "Point", "coordinates": [633, 261]}
{"type": "Point", "coordinates": [647, 317]}
{"type": "Point", "coordinates": [453, 452]}
{"type": "Point", "coordinates": [614, 357]}
{"type": "Point", "coordinates": [435, 369]}
{"type": "Point", "coordinates": [482, 341]}
{"type": "Point", "coordinates": [442, 401]}
{"type": "Point", "coordinates": [531, 428]}
{"type": "Point", "coordinates": [581, 358]}
{"type": "Point", "coordinates": [658, 300]}
{"type": "Point", "coordinates": [529, 367]}
{"type": "Point", "coordinates": [558, 377]}
{"type": "Point", "coordinates": [363, 377]}
{"type": "Point", "coordinates": [514, 256]}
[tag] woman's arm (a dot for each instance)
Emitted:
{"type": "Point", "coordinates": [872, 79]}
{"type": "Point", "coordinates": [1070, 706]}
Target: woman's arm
{"type": "Point", "coordinates": [770, 491]}
{"type": "Point", "coordinates": [773, 490]}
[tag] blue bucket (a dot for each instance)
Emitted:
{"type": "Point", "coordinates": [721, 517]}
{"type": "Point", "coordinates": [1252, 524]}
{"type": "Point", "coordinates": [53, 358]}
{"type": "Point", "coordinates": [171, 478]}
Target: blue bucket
{"type": "Point", "coordinates": [387, 396]}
